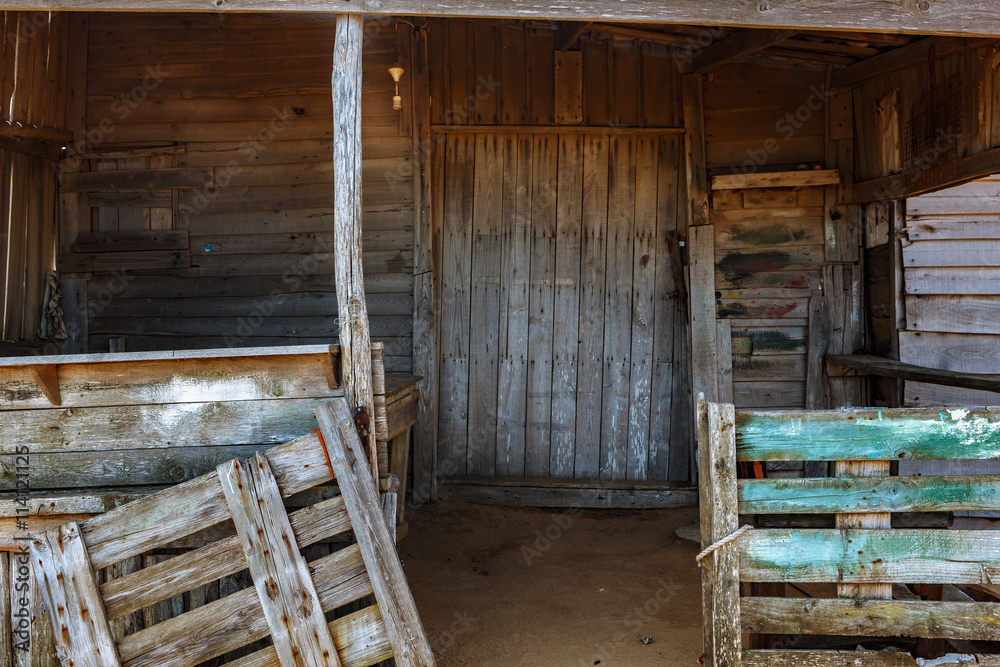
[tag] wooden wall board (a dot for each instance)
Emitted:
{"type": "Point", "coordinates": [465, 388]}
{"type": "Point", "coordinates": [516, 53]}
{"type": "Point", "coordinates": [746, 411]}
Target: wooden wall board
{"type": "Point", "coordinates": [211, 88]}
{"type": "Point", "coordinates": [572, 314]}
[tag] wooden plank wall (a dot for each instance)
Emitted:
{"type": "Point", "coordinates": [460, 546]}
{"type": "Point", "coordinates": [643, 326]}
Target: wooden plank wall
{"type": "Point", "coordinates": [769, 257]}
{"type": "Point", "coordinates": [248, 100]}
{"type": "Point", "coordinates": [32, 68]}
{"type": "Point", "coordinates": [562, 338]}
{"type": "Point", "coordinates": [951, 260]}
{"type": "Point", "coordinates": [764, 117]}
{"type": "Point", "coordinates": [485, 73]}
{"type": "Point", "coordinates": [559, 308]}
{"type": "Point", "coordinates": [884, 104]}
{"type": "Point", "coordinates": [769, 243]}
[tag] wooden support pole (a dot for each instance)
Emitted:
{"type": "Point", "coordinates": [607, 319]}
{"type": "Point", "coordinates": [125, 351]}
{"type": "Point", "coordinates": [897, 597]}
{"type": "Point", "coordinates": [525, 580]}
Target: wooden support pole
{"type": "Point", "coordinates": [719, 519]}
{"type": "Point", "coordinates": [355, 339]}
{"type": "Point", "coordinates": [425, 323]}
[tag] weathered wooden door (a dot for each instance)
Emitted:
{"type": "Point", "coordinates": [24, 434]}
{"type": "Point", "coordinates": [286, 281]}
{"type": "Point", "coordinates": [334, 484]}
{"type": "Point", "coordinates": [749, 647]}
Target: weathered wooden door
{"type": "Point", "coordinates": [561, 346]}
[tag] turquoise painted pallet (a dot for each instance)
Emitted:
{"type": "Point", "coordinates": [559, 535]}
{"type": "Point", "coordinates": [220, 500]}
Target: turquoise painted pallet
{"type": "Point", "coordinates": [863, 561]}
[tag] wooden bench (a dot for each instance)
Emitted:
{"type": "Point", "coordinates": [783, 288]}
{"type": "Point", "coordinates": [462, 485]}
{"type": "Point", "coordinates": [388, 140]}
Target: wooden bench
{"type": "Point", "coordinates": [862, 557]}
{"type": "Point", "coordinates": [83, 434]}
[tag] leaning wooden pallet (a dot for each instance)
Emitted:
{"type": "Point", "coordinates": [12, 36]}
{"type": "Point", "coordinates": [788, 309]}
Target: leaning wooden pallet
{"type": "Point", "coordinates": [290, 597]}
{"type": "Point", "coordinates": [867, 563]}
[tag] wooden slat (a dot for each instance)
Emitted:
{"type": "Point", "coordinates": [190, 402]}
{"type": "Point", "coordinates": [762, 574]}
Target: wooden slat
{"type": "Point", "coordinates": [892, 494]}
{"type": "Point", "coordinates": [779, 658]}
{"type": "Point", "coordinates": [617, 308]}
{"type": "Point", "coordinates": [590, 367]}
{"type": "Point", "coordinates": [61, 562]}
{"type": "Point", "coordinates": [219, 559]}
{"type": "Point", "coordinates": [123, 261]}
{"type": "Point", "coordinates": [153, 522]}
{"type": "Point", "coordinates": [874, 434]}
{"type": "Point", "coordinates": [140, 378]}
{"type": "Point", "coordinates": [131, 241]}
{"type": "Point", "coordinates": [143, 179]}
{"type": "Point", "coordinates": [871, 618]}
{"type": "Point", "coordinates": [863, 520]}
{"type": "Point", "coordinates": [456, 304]}
{"type": "Point", "coordinates": [237, 619]}
{"type": "Point", "coordinates": [779, 179]}
{"type": "Point", "coordinates": [485, 309]}
{"type": "Point", "coordinates": [703, 327]}
{"type": "Point", "coordinates": [870, 556]}
{"type": "Point", "coordinates": [402, 622]}
{"type": "Point", "coordinates": [959, 314]}
{"type": "Point", "coordinates": [596, 494]}
{"type": "Point", "coordinates": [159, 426]}
{"type": "Point", "coordinates": [280, 573]}
{"type": "Point", "coordinates": [360, 636]}
{"type": "Point", "coordinates": [644, 263]}
{"type": "Point", "coordinates": [541, 293]}
{"type": "Point", "coordinates": [866, 364]}
{"type": "Point", "coordinates": [512, 378]}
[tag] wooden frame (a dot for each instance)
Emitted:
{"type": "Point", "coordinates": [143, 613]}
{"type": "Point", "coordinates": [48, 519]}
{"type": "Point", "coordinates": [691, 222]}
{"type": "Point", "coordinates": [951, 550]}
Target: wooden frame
{"type": "Point", "coordinates": [861, 557]}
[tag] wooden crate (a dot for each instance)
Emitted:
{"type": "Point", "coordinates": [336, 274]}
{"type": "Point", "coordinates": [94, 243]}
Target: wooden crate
{"type": "Point", "coordinates": [290, 596]}
{"type": "Point", "coordinates": [862, 555]}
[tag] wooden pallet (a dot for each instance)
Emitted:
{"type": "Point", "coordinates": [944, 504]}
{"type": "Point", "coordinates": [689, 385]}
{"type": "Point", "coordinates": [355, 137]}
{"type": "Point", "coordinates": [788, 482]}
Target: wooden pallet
{"type": "Point", "coordinates": [862, 554]}
{"type": "Point", "coordinates": [290, 596]}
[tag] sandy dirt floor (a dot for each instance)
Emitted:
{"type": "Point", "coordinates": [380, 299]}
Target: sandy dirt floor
{"type": "Point", "coordinates": [509, 586]}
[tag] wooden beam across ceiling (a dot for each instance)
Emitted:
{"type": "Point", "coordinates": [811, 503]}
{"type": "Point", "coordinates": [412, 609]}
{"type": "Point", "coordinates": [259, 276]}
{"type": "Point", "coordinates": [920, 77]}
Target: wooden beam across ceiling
{"type": "Point", "coordinates": [932, 17]}
{"type": "Point", "coordinates": [741, 43]}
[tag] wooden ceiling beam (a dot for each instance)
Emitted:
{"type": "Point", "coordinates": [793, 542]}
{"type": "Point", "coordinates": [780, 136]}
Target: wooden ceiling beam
{"type": "Point", "coordinates": [932, 17]}
{"type": "Point", "coordinates": [897, 59]}
{"type": "Point", "coordinates": [741, 43]}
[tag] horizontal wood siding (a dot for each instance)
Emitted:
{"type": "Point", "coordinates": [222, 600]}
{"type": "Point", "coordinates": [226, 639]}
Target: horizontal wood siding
{"type": "Point", "coordinates": [248, 101]}
{"type": "Point", "coordinates": [952, 300]}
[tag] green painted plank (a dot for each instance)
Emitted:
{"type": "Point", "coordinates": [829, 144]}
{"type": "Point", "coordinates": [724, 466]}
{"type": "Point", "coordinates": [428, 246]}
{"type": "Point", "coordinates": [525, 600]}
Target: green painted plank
{"type": "Point", "coordinates": [869, 434]}
{"type": "Point", "coordinates": [870, 556]}
{"type": "Point", "coordinates": [871, 618]}
{"type": "Point", "coordinates": [870, 494]}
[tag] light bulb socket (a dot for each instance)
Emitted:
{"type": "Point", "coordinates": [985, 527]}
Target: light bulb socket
{"type": "Point", "coordinates": [397, 102]}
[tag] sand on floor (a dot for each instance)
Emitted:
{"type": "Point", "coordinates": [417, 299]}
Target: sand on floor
{"type": "Point", "coordinates": [555, 588]}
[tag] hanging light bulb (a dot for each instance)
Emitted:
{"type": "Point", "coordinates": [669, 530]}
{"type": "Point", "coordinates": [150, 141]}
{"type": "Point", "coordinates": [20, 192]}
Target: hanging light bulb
{"type": "Point", "coordinates": [396, 72]}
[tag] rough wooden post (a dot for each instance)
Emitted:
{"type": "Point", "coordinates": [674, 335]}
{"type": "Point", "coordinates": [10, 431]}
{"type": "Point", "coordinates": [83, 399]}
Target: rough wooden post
{"type": "Point", "coordinates": [355, 339]}
{"type": "Point", "coordinates": [720, 570]}
{"type": "Point", "coordinates": [425, 317]}
{"type": "Point", "coordinates": [870, 520]}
